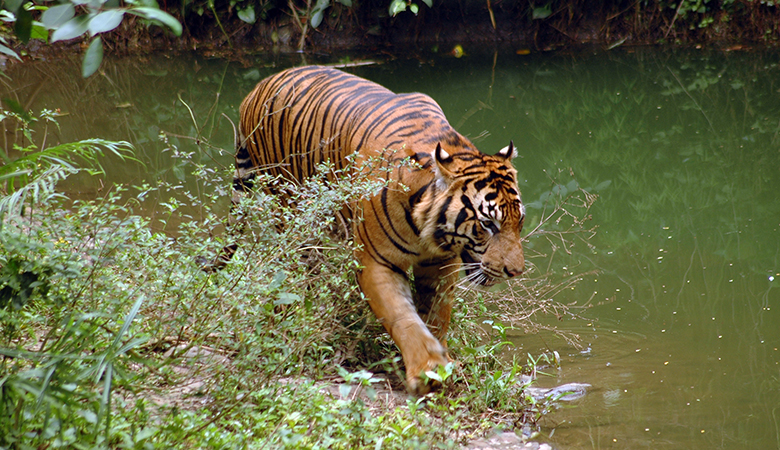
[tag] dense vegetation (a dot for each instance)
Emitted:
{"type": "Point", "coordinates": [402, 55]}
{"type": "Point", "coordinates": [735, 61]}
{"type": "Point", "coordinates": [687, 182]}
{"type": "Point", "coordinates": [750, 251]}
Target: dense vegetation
{"type": "Point", "coordinates": [302, 24]}
{"type": "Point", "coordinates": [113, 336]}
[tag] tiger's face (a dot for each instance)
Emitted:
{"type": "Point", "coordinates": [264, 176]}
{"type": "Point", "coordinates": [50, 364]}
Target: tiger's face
{"type": "Point", "coordinates": [478, 214]}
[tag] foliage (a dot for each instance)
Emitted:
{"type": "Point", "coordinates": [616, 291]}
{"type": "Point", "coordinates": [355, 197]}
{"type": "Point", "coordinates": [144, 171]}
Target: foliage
{"type": "Point", "coordinates": [43, 389]}
{"type": "Point", "coordinates": [550, 22]}
{"type": "Point", "coordinates": [399, 6]}
{"type": "Point", "coordinates": [72, 19]}
{"type": "Point", "coordinates": [34, 174]}
{"type": "Point", "coordinates": [318, 11]}
{"type": "Point", "coordinates": [113, 336]}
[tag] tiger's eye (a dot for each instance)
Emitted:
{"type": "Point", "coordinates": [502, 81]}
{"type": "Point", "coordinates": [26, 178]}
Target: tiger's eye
{"type": "Point", "coordinates": [489, 225]}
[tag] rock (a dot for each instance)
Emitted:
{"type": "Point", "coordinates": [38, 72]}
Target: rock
{"type": "Point", "coordinates": [506, 440]}
{"type": "Point", "coordinates": [566, 392]}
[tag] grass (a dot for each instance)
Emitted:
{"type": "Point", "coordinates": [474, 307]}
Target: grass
{"type": "Point", "coordinates": [112, 336]}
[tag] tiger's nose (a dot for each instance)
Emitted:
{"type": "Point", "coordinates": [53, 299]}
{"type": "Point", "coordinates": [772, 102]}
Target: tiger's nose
{"type": "Point", "coordinates": [513, 272]}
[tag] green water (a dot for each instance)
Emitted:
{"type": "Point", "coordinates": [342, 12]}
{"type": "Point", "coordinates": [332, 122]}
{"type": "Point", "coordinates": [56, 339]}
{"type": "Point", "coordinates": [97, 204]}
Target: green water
{"type": "Point", "coordinates": [682, 148]}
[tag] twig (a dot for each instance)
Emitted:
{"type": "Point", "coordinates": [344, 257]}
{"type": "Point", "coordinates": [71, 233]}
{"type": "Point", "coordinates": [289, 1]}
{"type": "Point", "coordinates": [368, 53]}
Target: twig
{"type": "Point", "coordinates": [562, 32]}
{"type": "Point", "coordinates": [490, 11]}
{"type": "Point", "coordinates": [304, 26]}
{"type": "Point", "coordinates": [676, 13]}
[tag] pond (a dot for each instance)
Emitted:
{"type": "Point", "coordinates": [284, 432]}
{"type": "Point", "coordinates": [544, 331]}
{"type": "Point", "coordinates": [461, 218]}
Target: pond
{"type": "Point", "coordinates": [682, 147]}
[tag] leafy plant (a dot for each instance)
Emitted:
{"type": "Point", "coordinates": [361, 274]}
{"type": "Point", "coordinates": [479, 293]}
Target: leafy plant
{"type": "Point", "coordinates": [112, 336]}
{"type": "Point", "coordinates": [319, 8]}
{"type": "Point", "coordinates": [42, 390]}
{"type": "Point", "coordinates": [72, 19]}
{"type": "Point", "coordinates": [35, 173]}
{"type": "Point", "coordinates": [399, 6]}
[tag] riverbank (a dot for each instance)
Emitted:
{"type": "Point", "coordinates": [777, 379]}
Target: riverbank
{"type": "Point", "coordinates": [231, 29]}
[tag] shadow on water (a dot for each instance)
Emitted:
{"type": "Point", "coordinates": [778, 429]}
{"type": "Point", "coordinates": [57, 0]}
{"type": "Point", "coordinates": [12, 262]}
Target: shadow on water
{"type": "Point", "coordinates": [683, 149]}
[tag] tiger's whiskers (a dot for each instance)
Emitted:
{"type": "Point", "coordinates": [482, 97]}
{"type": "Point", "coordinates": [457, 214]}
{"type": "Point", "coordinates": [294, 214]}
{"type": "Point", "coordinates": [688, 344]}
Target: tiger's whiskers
{"type": "Point", "coordinates": [460, 266]}
{"type": "Point", "coordinates": [472, 280]}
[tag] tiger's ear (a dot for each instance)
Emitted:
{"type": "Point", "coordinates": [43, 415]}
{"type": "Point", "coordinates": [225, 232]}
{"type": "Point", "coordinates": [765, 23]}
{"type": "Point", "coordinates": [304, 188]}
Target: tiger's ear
{"type": "Point", "coordinates": [444, 165]}
{"type": "Point", "coordinates": [508, 152]}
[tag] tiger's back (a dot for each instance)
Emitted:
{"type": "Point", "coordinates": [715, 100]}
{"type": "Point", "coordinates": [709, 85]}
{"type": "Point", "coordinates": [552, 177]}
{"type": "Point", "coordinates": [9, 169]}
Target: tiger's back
{"type": "Point", "coordinates": [298, 118]}
{"type": "Point", "coordinates": [447, 207]}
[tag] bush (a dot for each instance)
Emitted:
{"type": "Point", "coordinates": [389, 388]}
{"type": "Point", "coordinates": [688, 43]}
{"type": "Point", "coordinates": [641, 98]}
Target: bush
{"type": "Point", "coordinates": [113, 336]}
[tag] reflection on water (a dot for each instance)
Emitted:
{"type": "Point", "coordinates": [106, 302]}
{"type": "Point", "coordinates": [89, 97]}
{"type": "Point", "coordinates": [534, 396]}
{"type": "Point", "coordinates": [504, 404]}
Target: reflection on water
{"type": "Point", "coordinates": [681, 147]}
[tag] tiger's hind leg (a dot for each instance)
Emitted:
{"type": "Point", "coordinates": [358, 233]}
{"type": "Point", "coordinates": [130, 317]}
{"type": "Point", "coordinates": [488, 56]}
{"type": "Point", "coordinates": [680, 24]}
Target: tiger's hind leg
{"type": "Point", "coordinates": [243, 182]}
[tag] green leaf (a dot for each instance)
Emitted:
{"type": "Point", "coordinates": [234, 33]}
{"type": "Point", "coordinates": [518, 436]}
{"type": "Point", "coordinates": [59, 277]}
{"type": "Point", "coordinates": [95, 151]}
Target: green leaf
{"type": "Point", "coordinates": [23, 24]}
{"type": "Point", "coordinates": [429, 3]}
{"type": "Point", "coordinates": [158, 16]}
{"type": "Point", "coordinates": [88, 415]}
{"type": "Point", "coordinates": [148, 3]}
{"type": "Point", "coordinates": [542, 12]}
{"type": "Point", "coordinates": [129, 318]}
{"type": "Point", "coordinates": [247, 14]}
{"type": "Point", "coordinates": [397, 6]}
{"type": "Point", "coordinates": [279, 278]}
{"type": "Point", "coordinates": [252, 75]}
{"type": "Point", "coordinates": [286, 298]}
{"type": "Point", "coordinates": [39, 31]}
{"type": "Point", "coordinates": [55, 16]}
{"type": "Point", "coordinates": [92, 58]}
{"type": "Point", "coordinates": [8, 52]}
{"type": "Point", "coordinates": [345, 390]}
{"type": "Point", "coordinates": [347, 3]}
{"type": "Point", "coordinates": [414, 8]}
{"type": "Point", "coordinates": [95, 5]}
{"type": "Point", "coordinates": [316, 19]}
{"type": "Point", "coordinates": [434, 376]}
{"type": "Point", "coordinates": [73, 28]}
{"type": "Point", "coordinates": [105, 21]}
{"type": "Point", "coordinates": [318, 12]}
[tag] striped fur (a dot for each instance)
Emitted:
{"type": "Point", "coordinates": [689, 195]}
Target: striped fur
{"type": "Point", "coordinates": [460, 210]}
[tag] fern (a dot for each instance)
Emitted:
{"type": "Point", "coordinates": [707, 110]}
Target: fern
{"type": "Point", "coordinates": [35, 175]}
{"type": "Point", "coordinates": [39, 189]}
{"type": "Point", "coordinates": [65, 155]}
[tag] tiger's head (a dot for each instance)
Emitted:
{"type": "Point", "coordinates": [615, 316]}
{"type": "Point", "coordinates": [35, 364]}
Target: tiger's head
{"type": "Point", "coordinates": [476, 213]}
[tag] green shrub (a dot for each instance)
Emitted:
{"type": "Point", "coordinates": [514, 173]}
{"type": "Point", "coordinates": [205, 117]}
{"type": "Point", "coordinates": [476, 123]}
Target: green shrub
{"type": "Point", "coordinates": [112, 335]}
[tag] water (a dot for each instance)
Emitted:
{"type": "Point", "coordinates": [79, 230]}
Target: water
{"type": "Point", "coordinates": [682, 147]}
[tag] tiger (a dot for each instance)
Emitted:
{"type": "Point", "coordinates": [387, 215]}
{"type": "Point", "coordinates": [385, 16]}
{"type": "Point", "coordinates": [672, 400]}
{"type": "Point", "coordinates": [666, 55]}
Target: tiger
{"type": "Point", "coordinates": [451, 208]}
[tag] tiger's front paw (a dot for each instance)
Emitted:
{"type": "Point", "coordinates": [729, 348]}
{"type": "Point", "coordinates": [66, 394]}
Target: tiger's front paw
{"type": "Point", "coordinates": [417, 383]}
{"type": "Point", "coordinates": [419, 386]}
